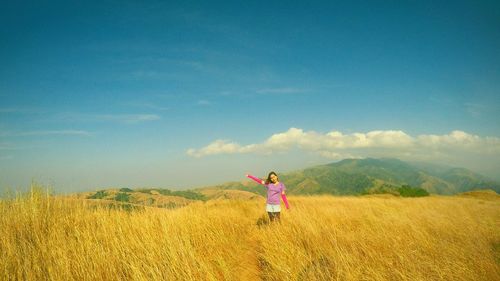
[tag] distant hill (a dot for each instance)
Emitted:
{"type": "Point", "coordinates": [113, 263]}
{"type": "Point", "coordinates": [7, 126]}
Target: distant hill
{"type": "Point", "coordinates": [347, 177]}
{"type": "Point", "coordinates": [217, 193]}
{"type": "Point", "coordinates": [153, 197]}
{"type": "Point", "coordinates": [369, 176]}
{"type": "Point", "coordinates": [160, 197]}
{"type": "Point", "coordinates": [485, 194]}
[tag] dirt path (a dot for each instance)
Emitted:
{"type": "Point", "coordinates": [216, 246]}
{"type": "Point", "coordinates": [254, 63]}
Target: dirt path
{"type": "Point", "coordinates": [250, 269]}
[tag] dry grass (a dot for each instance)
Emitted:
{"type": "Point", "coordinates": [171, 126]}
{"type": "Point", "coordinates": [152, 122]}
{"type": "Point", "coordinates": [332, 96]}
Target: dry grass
{"type": "Point", "coordinates": [321, 238]}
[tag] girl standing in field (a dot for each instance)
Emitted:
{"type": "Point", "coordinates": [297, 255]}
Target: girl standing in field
{"type": "Point", "coordinates": [275, 189]}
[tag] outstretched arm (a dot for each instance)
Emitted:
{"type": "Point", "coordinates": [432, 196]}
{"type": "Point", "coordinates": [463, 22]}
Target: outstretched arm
{"type": "Point", "coordinates": [256, 179]}
{"type": "Point", "coordinates": [283, 196]}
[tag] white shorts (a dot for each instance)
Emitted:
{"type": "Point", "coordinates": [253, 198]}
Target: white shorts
{"type": "Point", "coordinates": [273, 208]}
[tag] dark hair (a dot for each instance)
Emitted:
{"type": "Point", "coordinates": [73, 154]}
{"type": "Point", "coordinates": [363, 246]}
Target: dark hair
{"type": "Point", "coordinates": [268, 180]}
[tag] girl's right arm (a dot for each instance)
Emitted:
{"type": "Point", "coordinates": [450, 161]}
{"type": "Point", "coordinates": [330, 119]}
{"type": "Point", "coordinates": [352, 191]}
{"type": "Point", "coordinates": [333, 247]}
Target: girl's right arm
{"type": "Point", "coordinates": [256, 179]}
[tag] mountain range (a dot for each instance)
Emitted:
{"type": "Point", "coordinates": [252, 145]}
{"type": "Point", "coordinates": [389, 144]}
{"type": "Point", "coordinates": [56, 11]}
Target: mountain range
{"type": "Point", "coordinates": [366, 176]}
{"type": "Point", "coordinates": [346, 177]}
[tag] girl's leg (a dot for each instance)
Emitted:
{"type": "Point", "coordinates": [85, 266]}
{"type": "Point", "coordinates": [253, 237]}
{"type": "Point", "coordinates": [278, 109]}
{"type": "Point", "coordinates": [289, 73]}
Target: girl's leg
{"type": "Point", "coordinates": [271, 216]}
{"type": "Point", "coordinates": [274, 216]}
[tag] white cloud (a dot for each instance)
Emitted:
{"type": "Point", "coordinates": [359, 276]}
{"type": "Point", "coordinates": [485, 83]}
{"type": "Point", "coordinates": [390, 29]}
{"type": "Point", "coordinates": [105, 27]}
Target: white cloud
{"type": "Point", "coordinates": [217, 147]}
{"type": "Point", "coordinates": [151, 74]}
{"type": "Point", "coordinates": [475, 109]}
{"type": "Point", "coordinates": [118, 118]}
{"type": "Point", "coordinates": [286, 90]}
{"type": "Point", "coordinates": [6, 146]}
{"type": "Point", "coordinates": [193, 64]}
{"type": "Point", "coordinates": [46, 133]}
{"type": "Point", "coordinates": [336, 145]}
{"type": "Point", "coordinates": [147, 105]}
{"type": "Point", "coordinates": [127, 118]}
{"type": "Point", "coordinates": [455, 138]}
{"type": "Point", "coordinates": [19, 110]}
{"type": "Point", "coordinates": [204, 103]}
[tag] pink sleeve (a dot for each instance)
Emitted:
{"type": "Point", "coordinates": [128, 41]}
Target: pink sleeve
{"type": "Point", "coordinates": [283, 196]}
{"type": "Point", "coordinates": [255, 179]}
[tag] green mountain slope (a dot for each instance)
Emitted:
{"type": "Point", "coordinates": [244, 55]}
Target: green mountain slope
{"type": "Point", "coordinates": [346, 177]}
{"type": "Point", "coordinates": [360, 176]}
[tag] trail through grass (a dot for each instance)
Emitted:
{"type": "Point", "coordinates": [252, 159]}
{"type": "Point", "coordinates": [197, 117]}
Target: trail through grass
{"type": "Point", "coordinates": [320, 238]}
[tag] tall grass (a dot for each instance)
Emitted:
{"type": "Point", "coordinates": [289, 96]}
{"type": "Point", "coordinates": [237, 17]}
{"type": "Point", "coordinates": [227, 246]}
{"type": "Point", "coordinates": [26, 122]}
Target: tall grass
{"type": "Point", "coordinates": [321, 238]}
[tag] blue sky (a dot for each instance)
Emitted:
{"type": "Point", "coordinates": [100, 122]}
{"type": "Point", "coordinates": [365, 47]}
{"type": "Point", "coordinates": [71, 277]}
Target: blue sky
{"type": "Point", "coordinates": [130, 94]}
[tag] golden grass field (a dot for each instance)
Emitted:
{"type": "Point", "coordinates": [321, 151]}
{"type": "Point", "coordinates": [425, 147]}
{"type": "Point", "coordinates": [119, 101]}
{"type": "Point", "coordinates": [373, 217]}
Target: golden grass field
{"type": "Point", "coordinates": [320, 238]}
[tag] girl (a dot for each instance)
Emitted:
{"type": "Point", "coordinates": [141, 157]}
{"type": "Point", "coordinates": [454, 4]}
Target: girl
{"type": "Point", "coordinates": [275, 188]}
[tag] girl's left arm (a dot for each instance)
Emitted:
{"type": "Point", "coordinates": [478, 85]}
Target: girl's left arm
{"type": "Point", "coordinates": [283, 197]}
